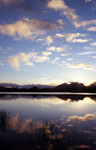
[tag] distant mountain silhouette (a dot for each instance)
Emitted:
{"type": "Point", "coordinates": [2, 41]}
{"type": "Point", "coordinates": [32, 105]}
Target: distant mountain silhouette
{"type": "Point", "coordinates": [26, 86]}
{"type": "Point", "coordinates": [72, 87]}
{"type": "Point", "coordinates": [34, 89]}
{"type": "Point", "coordinates": [1, 87]}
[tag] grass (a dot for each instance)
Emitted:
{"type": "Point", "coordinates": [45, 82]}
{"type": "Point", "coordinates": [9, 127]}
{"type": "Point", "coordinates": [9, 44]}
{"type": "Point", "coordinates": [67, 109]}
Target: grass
{"type": "Point", "coordinates": [4, 119]}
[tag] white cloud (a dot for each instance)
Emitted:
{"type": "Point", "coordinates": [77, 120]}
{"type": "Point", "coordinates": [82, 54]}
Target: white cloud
{"type": "Point", "coordinates": [47, 40]}
{"type": "Point", "coordinates": [86, 47]}
{"type": "Point", "coordinates": [53, 48]}
{"type": "Point", "coordinates": [85, 23]}
{"type": "Point", "coordinates": [56, 4]}
{"type": "Point", "coordinates": [60, 49]}
{"type": "Point", "coordinates": [60, 5]}
{"type": "Point", "coordinates": [28, 63]}
{"type": "Point", "coordinates": [27, 59]}
{"type": "Point", "coordinates": [15, 61]}
{"type": "Point", "coordinates": [55, 60]}
{"type": "Point", "coordinates": [58, 35]}
{"type": "Point", "coordinates": [70, 13]}
{"type": "Point", "coordinates": [57, 49]}
{"type": "Point", "coordinates": [93, 44]}
{"type": "Point", "coordinates": [80, 118]}
{"type": "Point", "coordinates": [66, 54]}
{"type": "Point", "coordinates": [40, 58]}
{"type": "Point", "coordinates": [93, 56]}
{"type": "Point", "coordinates": [73, 37]}
{"type": "Point", "coordinates": [70, 59]}
{"type": "Point", "coordinates": [69, 37]}
{"type": "Point", "coordinates": [80, 65]}
{"type": "Point", "coordinates": [46, 53]}
{"type": "Point", "coordinates": [27, 29]}
{"type": "Point", "coordinates": [60, 21]}
{"type": "Point", "coordinates": [86, 53]}
{"type": "Point", "coordinates": [92, 29]}
{"type": "Point", "coordinates": [50, 39]}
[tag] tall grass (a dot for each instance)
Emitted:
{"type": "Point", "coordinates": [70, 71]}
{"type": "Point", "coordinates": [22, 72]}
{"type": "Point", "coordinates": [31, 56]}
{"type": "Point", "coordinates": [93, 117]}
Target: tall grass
{"type": "Point", "coordinates": [4, 120]}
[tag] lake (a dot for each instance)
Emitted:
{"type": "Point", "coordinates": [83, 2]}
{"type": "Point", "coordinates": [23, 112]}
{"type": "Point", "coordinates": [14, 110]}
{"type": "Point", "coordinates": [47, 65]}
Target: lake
{"type": "Point", "coordinates": [47, 121]}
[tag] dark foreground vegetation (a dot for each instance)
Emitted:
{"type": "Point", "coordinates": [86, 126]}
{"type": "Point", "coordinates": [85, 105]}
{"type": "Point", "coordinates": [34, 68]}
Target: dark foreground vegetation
{"type": "Point", "coordinates": [48, 135]}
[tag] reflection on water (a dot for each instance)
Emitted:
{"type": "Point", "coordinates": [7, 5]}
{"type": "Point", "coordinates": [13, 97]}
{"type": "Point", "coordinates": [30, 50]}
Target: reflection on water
{"type": "Point", "coordinates": [47, 122]}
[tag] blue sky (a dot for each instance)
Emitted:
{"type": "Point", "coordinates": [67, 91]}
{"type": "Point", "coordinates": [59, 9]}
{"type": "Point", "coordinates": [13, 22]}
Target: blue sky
{"type": "Point", "coordinates": [47, 41]}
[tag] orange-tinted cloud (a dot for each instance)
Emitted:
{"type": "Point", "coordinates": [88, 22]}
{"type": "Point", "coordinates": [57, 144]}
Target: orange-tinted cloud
{"type": "Point", "coordinates": [80, 118]}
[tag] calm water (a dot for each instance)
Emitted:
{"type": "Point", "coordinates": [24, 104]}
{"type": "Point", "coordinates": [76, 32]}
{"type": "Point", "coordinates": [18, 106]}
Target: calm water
{"type": "Point", "coordinates": [47, 121]}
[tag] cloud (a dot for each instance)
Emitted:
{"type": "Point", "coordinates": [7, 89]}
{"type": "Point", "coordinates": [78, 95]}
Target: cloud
{"type": "Point", "coordinates": [70, 13]}
{"type": "Point", "coordinates": [86, 47]}
{"type": "Point", "coordinates": [60, 49]}
{"type": "Point", "coordinates": [69, 37]}
{"type": "Point", "coordinates": [80, 65]}
{"type": "Point", "coordinates": [53, 48]}
{"type": "Point", "coordinates": [20, 126]}
{"type": "Point", "coordinates": [28, 63]}
{"type": "Point", "coordinates": [56, 4]}
{"type": "Point", "coordinates": [27, 29]}
{"type": "Point", "coordinates": [60, 21]}
{"type": "Point", "coordinates": [57, 49]}
{"type": "Point", "coordinates": [80, 118]}
{"type": "Point", "coordinates": [1, 64]}
{"type": "Point", "coordinates": [66, 54]}
{"type": "Point", "coordinates": [93, 44]}
{"type": "Point", "coordinates": [15, 61]}
{"type": "Point", "coordinates": [92, 29]}
{"type": "Point", "coordinates": [87, 1]}
{"type": "Point", "coordinates": [50, 39]}
{"type": "Point", "coordinates": [70, 59]}
{"type": "Point", "coordinates": [73, 37]}
{"type": "Point", "coordinates": [93, 57]}
{"type": "Point", "coordinates": [55, 60]}
{"type": "Point", "coordinates": [46, 53]}
{"type": "Point", "coordinates": [85, 23]}
{"type": "Point", "coordinates": [82, 147]}
{"type": "Point", "coordinates": [27, 59]}
{"type": "Point", "coordinates": [60, 5]}
{"type": "Point", "coordinates": [58, 35]}
{"type": "Point", "coordinates": [86, 53]}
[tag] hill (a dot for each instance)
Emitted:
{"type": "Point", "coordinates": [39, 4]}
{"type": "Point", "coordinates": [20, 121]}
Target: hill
{"type": "Point", "coordinates": [72, 87]}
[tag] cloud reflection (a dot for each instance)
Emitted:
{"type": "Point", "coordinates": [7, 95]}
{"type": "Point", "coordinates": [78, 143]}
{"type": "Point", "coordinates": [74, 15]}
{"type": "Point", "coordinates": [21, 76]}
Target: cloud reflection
{"type": "Point", "coordinates": [82, 146]}
{"type": "Point", "coordinates": [20, 125]}
{"type": "Point", "coordinates": [87, 117]}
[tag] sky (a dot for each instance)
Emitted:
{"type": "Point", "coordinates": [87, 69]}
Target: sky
{"type": "Point", "coordinates": [47, 41]}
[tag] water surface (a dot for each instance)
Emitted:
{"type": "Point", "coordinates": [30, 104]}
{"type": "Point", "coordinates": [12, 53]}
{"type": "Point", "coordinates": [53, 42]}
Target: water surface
{"type": "Point", "coordinates": [47, 121]}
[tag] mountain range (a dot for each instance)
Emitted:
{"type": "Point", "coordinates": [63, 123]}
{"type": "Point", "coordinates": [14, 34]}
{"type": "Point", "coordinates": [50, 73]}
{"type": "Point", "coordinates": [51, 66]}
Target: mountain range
{"type": "Point", "coordinates": [65, 87]}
